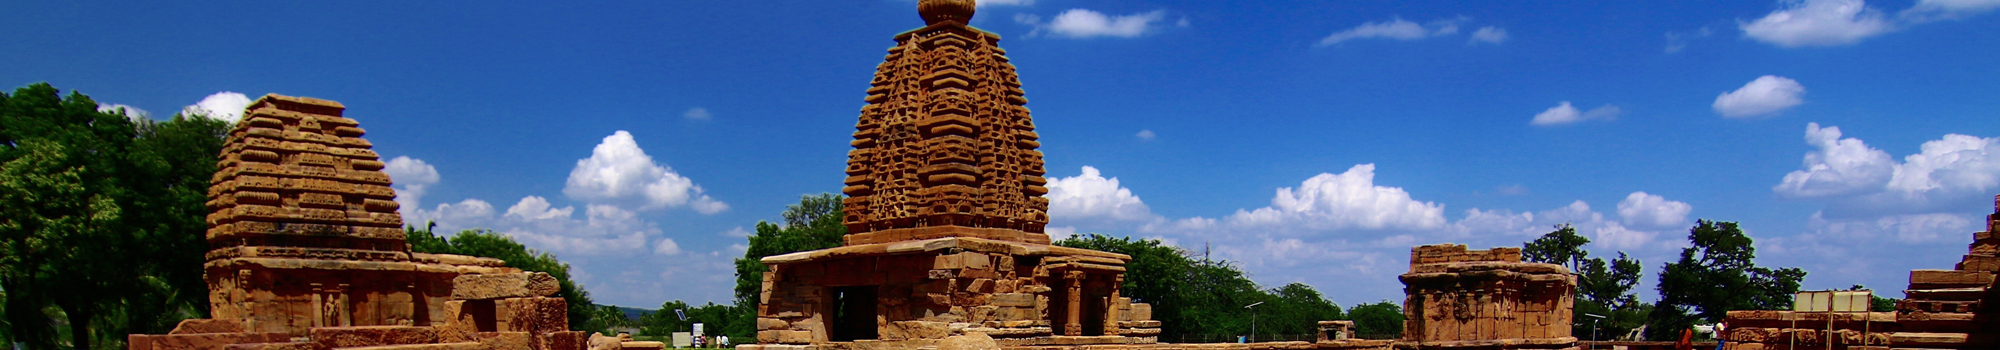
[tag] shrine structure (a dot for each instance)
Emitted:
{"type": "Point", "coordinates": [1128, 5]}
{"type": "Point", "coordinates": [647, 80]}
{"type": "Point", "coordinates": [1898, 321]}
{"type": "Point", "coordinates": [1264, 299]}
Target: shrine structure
{"type": "Point", "coordinates": [1946, 309]}
{"type": "Point", "coordinates": [945, 217]}
{"type": "Point", "coordinates": [1485, 299]}
{"type": "Point", "coordinates": [307, 251]}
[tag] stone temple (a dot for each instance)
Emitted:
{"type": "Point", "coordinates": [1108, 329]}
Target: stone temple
{"type": "Point", "coordinates": [945, 218]}
{"type": "Point", "coordinates": [307, 252]}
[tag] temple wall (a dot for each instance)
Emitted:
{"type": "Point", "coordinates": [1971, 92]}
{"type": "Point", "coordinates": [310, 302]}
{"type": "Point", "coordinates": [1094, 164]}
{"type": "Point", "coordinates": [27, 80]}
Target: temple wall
{"type": "Point", "coordinates": [1485, 298]}
{"type": "Point", "coordinates": [920, 297]}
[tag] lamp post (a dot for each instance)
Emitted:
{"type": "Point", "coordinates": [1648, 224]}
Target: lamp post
{"type": "Point", "coordinates": [1253, 320]}
{"type": "Point", "coordinates": [1593, 326]}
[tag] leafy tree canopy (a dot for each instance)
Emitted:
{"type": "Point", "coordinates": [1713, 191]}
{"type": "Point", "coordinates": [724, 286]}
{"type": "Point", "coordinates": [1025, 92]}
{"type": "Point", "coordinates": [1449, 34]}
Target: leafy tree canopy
{"type": "Point", "coordinates": [1716, 275]}
{"type": "Point", "coordinates": [104, 221]}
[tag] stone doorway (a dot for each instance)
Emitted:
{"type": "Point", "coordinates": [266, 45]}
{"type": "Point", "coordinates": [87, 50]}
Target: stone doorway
{"type": "Point", "coordinates": [853, 313]}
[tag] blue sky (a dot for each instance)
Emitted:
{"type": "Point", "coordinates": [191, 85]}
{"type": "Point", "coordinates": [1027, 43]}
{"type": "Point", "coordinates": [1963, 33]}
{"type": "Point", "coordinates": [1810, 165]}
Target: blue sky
{"type": "Point", "coordinates": [1309, 141]}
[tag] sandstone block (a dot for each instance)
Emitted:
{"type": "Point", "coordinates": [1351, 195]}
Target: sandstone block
{"type": "Point", "coordinates": [795, 337]}
{"type": "Point", "coordinates": [643, 345]}
{"type": "Point", "coordinates": [906, 330]}
{"type": "Point", "coordinates": [350, 337]}
{"type": "Point", "coordinates": [768, 323]}
{"type": "Point", "coordinates": [206, 325]}
{"type": "Point", "coordinates": [508, 285]}
{"type": "Point", "coordinates": [970, 341]}
{"type": "Point", "coordinates": [507, 340]}
{"type": "Point", "coordinates": [1012, 299]}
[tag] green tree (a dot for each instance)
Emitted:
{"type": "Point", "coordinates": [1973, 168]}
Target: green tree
{"type": "Point", "coordinates": [712, 316]}
{"type": "Point", "coordinates": [1295, 309]}
{"type": "Point", "coordinates": [1603, 289]}
{"type": "Point", "coordinates": [1715, 275]}
{"type": "Point", "coordinates": [814, 223]}
{"type": "Point", "coordinates": [491, 244]}
{"type": "Point", "coordinates": [103, 217]}
{"type": "Point", "coordinates": [1561, 247]}
{"type": "Point", "coordinates": [1380, 320]}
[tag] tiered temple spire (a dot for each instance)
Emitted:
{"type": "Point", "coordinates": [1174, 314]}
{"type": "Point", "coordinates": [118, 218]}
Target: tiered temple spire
{"type": "Point", "coordinates": [945, 139]}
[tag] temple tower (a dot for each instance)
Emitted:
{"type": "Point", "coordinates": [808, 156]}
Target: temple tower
{"type": "Point", "coordinates": [945, 140]}
{"type": "Point", "coordinates": [944, 216]}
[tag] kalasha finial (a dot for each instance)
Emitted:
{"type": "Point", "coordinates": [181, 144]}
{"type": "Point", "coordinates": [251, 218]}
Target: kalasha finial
{"type": "Point", "coordinates": [935, 11]}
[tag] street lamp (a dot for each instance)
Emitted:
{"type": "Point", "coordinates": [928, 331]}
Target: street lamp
{"type": "Point", "coordinates": [1593, 326]}
{"type": "Point", "coordinates": [1253, 320]}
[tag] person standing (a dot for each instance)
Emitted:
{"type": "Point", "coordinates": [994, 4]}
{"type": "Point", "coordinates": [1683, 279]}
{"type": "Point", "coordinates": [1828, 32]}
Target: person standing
{"type": "Point", "coordinates": [1721, 337]}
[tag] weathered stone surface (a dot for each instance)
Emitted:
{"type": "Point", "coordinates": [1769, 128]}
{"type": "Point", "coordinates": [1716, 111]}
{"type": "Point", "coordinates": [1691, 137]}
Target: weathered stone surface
{"type": "Point", "coordinates": [602, 342]}
{"type": "Point", "coordinates": [970, 341]}
{"type": "Point", "coordinates": [506, 285]}
{"type": "Point", "coordinates": [944, 106]}
{"type": "Point", "coordinates": [348, 337]}
{"type": "Point", "coordinates": [193, 326]}
{"type": "Point", "coordinates": [1461, 298]}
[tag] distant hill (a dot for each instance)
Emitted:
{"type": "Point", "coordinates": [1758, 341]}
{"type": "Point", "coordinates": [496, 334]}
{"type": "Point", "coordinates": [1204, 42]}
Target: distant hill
{"type": "Point", "coordinates": [630, 312]}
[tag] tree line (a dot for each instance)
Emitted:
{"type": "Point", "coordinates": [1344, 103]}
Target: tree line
{"type": "Point", "coordinates": [103, 231]}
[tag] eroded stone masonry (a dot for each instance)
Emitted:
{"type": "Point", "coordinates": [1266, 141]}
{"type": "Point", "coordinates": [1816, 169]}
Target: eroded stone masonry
{"type": "Point", "coordinates": [1946, 309]}
{"type": "Point", "coordinates": [1485, 299]}
{"type": "Point", "coordinates": [308, 252]}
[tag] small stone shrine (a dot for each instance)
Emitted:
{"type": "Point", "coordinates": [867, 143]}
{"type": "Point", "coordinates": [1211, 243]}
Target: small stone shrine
{"type": "Point", "coordinates": [1946, 309]}
{"type": "Point", "coordinates": [945, 216]}
{"type": "Point", "coordinates": [307, 252]}
{"type": "Point", "coordinates": [1485, 299]}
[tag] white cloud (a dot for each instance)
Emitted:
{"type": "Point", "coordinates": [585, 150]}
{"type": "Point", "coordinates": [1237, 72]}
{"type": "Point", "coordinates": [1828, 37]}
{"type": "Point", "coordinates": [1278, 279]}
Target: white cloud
{"type": "Point", "coordinates": [413, 177]}
{"type": "Point", "coordinates": [1931, 10]}
{"type": "Point", "coordinates": [1082, 23]}
{"type": "Point", "coordinates": [1059, 232]}
{"type": "Point", "coordinates": [1911, 228]}
{"type": "Point", "coordinates": [985, 3]}
{"type": "Point", "coordinates": [536, 208]}
{"type": "Point", "coordinates": [467, 213]}
{"type": "Point", "coordinates": [1949, 174]}
{"type": "Point", "coordinates": [1677, 41]}
{"type": "Point", "coordinates": [1803, 23]}
{"type": "Point", "coordinates": [1511, 190]}
{"type": "Point", "coordinates": [133, 113]}
{"type": "Point", "coordinates": [667, 247]}
{"type": "Point", "coordinates": [1395, 28]}
{"type": "Point", "coordinates": [1488, 34]}
{"type": "Point", "coordinates": [1346, 200]}
{"type": "Point", "coordinates": [1146, 135]}
{"type": "Point", "coordinates": [619, 172]}
{"type": "Point", "coordinates": [1838, 167]}
{"type": "Point", "coordinates": [1405, 30]}
{"type": "Point", "coordinates": [1091, 196]}
{"type": "Point", "coordinates": [1768, 94]}
{"type": "Point", "coordinates": [1651, 210]}
{"type": "Point", "coordinates": [697, 113]}
{"type": "Point", "coordinates": [225, 106]}
{"type": "Point", "coordinates": [737, 232]}
{"type": "Point", "coordinates": [1564, 113]}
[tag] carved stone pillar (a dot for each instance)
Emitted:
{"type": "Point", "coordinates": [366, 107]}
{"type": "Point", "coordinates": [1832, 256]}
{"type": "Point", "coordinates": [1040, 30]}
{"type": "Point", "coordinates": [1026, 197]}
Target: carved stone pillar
{"type": "Point", "coordinates": [1074, 323]}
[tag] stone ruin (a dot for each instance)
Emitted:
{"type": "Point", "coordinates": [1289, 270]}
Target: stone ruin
{"type": "Point", "coordinates": [1946, 309]}
{"type": "Point", "coordinates": [307, 252]}
{"type": "Point", "coordinates": [1485, 299]}
{"type": "Point", "coordinates": [945, 218]}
